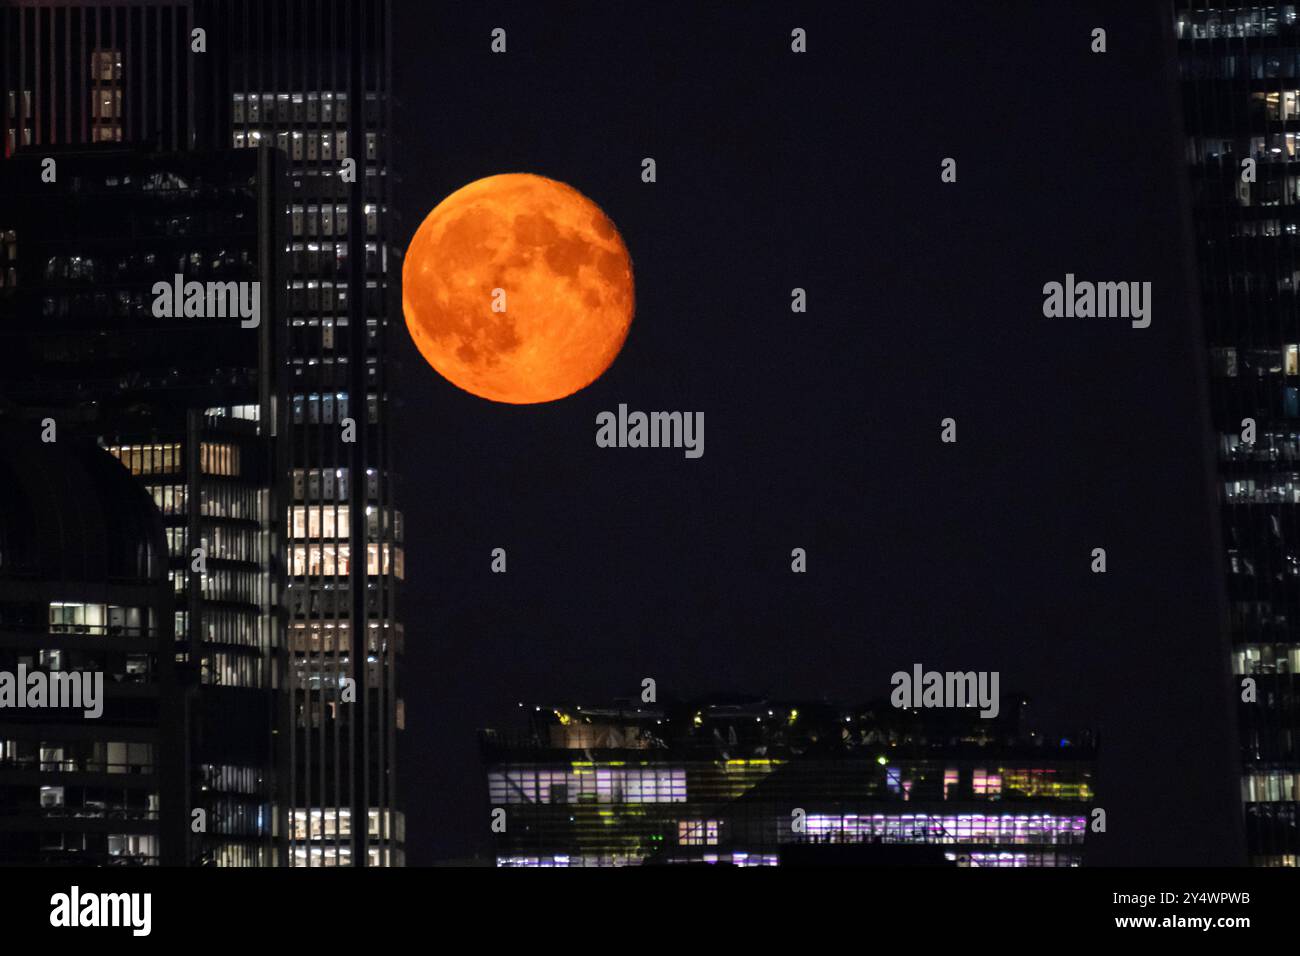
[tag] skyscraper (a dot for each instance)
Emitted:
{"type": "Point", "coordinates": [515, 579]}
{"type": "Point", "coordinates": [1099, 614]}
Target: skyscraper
{"type": "Point", "coordinates": [1240, 68]}
{"type": "Point", "coordinates": [312, 79]}
{"type": "Point", "coordinates": [84, 591]}
{"type": "Point", "coordinates": [183, 394]}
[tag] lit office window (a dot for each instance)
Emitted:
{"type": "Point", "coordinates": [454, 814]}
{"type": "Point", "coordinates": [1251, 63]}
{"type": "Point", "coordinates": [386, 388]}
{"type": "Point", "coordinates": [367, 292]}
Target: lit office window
{"type": "Point", "coordinates": [697, 832]}
{"type": "Point", "coordinates": [986, 784]}
{"type": "Point", "coordinates": [318, 521]}
{"type": "Point", "coordinates": [219, 459]}
{"type": "Point", "coordinates": [159, 459]}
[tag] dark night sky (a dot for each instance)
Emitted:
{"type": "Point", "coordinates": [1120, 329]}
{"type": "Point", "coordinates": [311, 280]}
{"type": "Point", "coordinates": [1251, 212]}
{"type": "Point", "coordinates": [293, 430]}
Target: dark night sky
{"type": "Point", "coordinates": [822, 429]}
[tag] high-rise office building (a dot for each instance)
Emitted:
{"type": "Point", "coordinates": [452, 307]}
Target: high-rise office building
{"type": "Point", "coordinates": [135, 310]}
{"type": "Point", "coordinates": [1240, 79]}
{"type": "Point", "coordinates": [83, 594]}
{"type": "Point", "coordinates": [755, 782]}
{"type": "Point", "coordinates": [311, 79]}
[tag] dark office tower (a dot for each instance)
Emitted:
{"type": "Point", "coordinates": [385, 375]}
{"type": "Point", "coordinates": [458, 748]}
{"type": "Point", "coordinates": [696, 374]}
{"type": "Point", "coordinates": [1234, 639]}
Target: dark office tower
{"type": "Point", "coordinates": [312, 79]}
{"type": "Point", "coordinates": [1240, 65]}
{"type": "Point", "coordinates": [756, 782]}
{"type": "Point", "coordinates": [78, 71]}
{"type": "Point", "coordinates": [137, 308]}
{"type": "Point", "coordinates": [83, 591]}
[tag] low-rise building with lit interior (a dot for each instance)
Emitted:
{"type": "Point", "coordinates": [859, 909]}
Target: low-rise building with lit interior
{"type": "Point", "coordinates": [757, 782]}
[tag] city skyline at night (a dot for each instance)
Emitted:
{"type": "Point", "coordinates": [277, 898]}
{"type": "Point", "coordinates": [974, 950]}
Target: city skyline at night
{"type": "Point", "coordinates": [667, 437]}
{"type": "Point", "coordinates": [199, 76]}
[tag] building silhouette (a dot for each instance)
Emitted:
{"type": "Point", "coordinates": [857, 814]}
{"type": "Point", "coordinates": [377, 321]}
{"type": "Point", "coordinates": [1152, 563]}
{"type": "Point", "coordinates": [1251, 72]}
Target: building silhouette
{"type": "Point", "coordinates": [1240, 70]}
{"type": "Point", "coordinates": [186, 403]}
{"type": "Point", "coordinates": [757, 782]}
{"type": "Point", "coordinates": [312, 81]}
{"type": "Point", "coordinates": [84, 588]}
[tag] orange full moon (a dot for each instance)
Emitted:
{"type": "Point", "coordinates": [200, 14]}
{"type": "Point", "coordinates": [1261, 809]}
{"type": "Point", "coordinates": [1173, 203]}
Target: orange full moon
{"type": "Point", "coordinates": [518, 288]}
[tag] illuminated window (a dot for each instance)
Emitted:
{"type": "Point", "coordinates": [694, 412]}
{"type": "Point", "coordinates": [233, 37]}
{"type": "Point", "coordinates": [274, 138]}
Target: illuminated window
{"type": "Point", "coordinates": [697, 832]}
{"type": "Point", "coordinates": [162, 459]}
{"type": "Point", "coordinates": [219, 459]}
{"type": "Point", "coordinates": [586, 783]}
{"type": "Point", "coordinates": [106, 96]}
{"type": "Point", "coordinates": [319, 521]}
{"type": "Point", "coordinates": [1271, 786]}
{"type": "Point", "coordinates": [106, 66]}
{"type": "Point", "coordinates": [76, 618]}
{"type": "Point", "coordinates": [986, 784]}
{"type": "Point", "coordinates": [334, 560]}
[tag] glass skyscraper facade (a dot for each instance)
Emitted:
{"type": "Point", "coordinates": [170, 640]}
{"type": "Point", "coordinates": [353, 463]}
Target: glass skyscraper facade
{"type": "Point", "coordinates": [312, 80]}
{"type": "Point", "coordinates": [84, 590]}
{"type": "Point", "coordinates": [184, 402]}
{"type": "Point", "coordinates": [1240, 78]}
